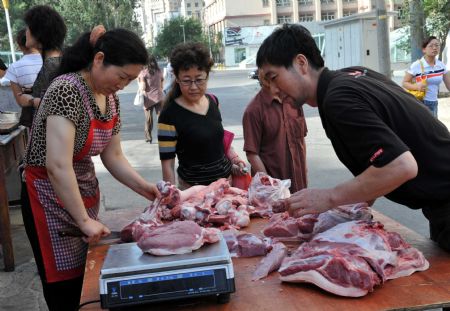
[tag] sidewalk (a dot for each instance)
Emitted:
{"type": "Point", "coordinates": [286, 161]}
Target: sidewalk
{"type": "Point", "coordinates": [21, 290]}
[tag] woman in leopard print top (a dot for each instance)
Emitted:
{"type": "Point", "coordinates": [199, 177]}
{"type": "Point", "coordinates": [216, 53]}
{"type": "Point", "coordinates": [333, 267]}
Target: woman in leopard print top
{"type": "Point", "coordinates": [78, 118]}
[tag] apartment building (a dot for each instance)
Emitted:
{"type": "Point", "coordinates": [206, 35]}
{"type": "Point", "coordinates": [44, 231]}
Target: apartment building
{"type": "Point", "coordinates": [191, 8]}
{"type": "Point", "coordinates": [219, 14]}
{"type": "Point", "coordinates": [155, 13]}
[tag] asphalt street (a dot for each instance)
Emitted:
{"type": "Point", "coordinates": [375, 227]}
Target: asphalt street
{"type": "Point", "coordinates": [21, 290]}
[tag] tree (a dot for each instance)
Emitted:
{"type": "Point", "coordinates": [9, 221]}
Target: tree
{"type": "Point", "coordinates": [172, 34]}
{"type": "Point", "coordinates": [79, 15]}
{"type": "Point", "coordinates": [425, 18]}
{"type": "Point", "coordinates": [438, 20]}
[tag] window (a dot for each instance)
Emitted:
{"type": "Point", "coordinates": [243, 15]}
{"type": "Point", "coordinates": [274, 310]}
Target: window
{"type": "Point", "coordinates": [305, 2]}
{"type": "Point", "coordinates": [349, 12]}
{"type": "Point", "coordinates": [326, 1]}
{"type": "Point", "coordinates": [265, 3]}
{"type": "Point", "coordinates": [283, 2]}
{"type": "Point", "coordinates": [196, 4]}
{"type": "Point", "coordinates": [305, 17]}
{"type": "Point", "coordinates": [327, 16]}
{"type": "Point", "coordinates": [283, 19]}
{"type": "Point", "coordinates": [348, 1]}
{"type": "Point", "coordinates": [266, 22]}
{"type": "Point", "coordinates": [188, 5]}
{"type": "Point", "coordinates": [189, 13]}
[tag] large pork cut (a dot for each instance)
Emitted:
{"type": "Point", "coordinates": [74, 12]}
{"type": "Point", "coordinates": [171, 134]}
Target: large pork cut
{"type": "Point", "coordinates": [287, 228]}
{"type": "Point", "coordinates": [179, 237]}
{"type": "Point", "coordinates": [351, 258]}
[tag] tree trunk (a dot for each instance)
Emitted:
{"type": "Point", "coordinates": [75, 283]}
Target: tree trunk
{"type": "Point", "coordinates": [416, 23]}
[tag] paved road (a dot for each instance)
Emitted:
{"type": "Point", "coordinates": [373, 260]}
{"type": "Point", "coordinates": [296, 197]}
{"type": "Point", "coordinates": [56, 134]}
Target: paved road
{"type": "Point", "coordinates": [21, 290]}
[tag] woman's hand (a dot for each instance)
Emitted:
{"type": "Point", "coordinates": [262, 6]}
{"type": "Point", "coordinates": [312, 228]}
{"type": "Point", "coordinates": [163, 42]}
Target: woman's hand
{"type": "Point", "coordinates": [421, 87]}
{"type": "Point", "coordinates": [151, 192]}
{"type": "Point", "coordinates": [93, 230]}
{"type": "Point", "coordinates": [239, 168]}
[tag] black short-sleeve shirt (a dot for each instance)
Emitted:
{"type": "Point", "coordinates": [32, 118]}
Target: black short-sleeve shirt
{"type": "Point", "coordinates": [370, 120]}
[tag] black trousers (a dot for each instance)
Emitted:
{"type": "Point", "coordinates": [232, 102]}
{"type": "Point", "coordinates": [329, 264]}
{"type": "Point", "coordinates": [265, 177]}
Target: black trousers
{"type": "Point", "coordinates": [439, 218]}
{"type": "Point", "coordinates": [60, 296]}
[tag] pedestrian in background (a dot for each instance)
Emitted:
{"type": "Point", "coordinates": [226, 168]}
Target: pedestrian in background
{"type": "Point", "coordinates": [190, 124]}
{"type": "Point", "coordinates": [3, 69]}
{"type": "Point", "coordinates": [393, 146]}
{"type": "Point", "coordinates": [274, 136]}
{"type": "Point", "coordinates": [150, 82]}
{"type": "Point", "coordinates": [79, 118]}
{"type": "Point", "coordinates": [23, 72]}
{"type": "Point", "coordinates": [427, 73]}
{"type": "Point", "coordinates": [45, 31]}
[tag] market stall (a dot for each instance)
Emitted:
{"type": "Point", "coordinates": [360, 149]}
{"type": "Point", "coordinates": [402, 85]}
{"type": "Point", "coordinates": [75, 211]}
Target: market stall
{"type": "Point", "coordinates": [421, 290]}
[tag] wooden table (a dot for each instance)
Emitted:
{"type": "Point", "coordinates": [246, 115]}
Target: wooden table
{"type": "Point", "coordinates": [12, 147]}
{"type": "Point", "coordinates": [422, 290]}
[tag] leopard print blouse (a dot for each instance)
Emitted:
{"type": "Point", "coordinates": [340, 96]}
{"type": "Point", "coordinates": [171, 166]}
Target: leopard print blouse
{"type": "Point", "coordinates": [64, 99]}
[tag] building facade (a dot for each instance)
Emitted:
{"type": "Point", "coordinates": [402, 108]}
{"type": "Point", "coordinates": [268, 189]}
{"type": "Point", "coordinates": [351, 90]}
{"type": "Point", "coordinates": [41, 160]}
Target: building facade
{"type": "Point", "coordinates": [191, 8]}
{"type": "Point", "coordinates": [219, 14]}
{"type": "Point", "coordinates": [154, 14]}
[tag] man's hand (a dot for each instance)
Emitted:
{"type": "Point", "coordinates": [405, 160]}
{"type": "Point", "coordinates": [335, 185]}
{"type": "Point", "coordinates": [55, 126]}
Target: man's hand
{"type": "Point", "coordinates": [309, 201]}
{"type": "Point", "coordinates": [93, 230]}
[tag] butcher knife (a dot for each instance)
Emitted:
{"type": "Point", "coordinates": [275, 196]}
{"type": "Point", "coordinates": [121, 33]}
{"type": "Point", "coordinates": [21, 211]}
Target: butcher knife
{"type": "Point", "coordinates": [114, 237]}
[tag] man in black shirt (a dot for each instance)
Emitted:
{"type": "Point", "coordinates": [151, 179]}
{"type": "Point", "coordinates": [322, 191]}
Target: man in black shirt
{"type": "Point", "coordinates": [383, 135]}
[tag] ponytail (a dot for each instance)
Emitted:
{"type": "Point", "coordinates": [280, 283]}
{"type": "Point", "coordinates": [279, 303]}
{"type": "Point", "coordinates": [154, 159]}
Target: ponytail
{"type": "Point", "coordinates": [78, 56]}
{"type": "Point", "coordinates": [120, 46]}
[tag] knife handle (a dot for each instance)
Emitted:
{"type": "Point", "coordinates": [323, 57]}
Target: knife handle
{"type": "Point", "coordinates": [70, 232]}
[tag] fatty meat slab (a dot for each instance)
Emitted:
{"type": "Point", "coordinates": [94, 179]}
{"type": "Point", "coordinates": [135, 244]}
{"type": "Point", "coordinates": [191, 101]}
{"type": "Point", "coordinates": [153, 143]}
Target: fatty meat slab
{"type": "Point", "coordinates": [179, 237]}
{"type": "Point", "coordinates": [286, 228]}
{"type": "Point", "coordinates": [351, 258]}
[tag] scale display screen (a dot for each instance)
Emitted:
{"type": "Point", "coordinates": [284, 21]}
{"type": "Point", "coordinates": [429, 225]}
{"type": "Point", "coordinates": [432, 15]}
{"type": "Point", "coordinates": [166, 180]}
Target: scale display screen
{"type": "Point", "coordinates": [174, 283]}
{"type": "Point", "coordinates": [168, 287]}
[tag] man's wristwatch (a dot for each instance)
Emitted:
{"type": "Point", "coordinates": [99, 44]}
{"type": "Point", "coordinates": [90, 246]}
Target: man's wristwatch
{"type": "Point", "coordinates": [31, 102]}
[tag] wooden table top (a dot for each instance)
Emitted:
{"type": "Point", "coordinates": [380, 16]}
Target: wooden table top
{"type": "Point", "coordinates": [422, 290]}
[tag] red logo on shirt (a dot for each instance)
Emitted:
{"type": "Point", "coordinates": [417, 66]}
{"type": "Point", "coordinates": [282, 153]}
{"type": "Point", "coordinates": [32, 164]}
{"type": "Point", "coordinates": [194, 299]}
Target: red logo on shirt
{"type": "Point", "coordinates": [376, 155]}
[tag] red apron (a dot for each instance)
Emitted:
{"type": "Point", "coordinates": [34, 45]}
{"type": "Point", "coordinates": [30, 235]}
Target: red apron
{"type": "Point", "coordinates": [64, 257]}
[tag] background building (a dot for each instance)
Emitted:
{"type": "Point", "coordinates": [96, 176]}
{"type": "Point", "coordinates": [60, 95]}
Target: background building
{"type": "Point", "coordinates": [155, 13]}
{"type": "Point", "coordinates": [191, 8]}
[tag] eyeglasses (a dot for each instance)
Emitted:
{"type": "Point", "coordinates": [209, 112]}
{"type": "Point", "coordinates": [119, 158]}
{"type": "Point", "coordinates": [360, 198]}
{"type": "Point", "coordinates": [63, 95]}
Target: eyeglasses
{"type": "Point", "coordinates": [434, 45]}
{"type": "Point", "coordinates": [198, 82]}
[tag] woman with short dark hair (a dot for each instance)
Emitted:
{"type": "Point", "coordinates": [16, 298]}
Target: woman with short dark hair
{"type": "Point", "coordinates": [190, 124]}
{"type": "Point", "coordinates": [45, 31]}
{"type": "Point", "coordinates": [79, 117]}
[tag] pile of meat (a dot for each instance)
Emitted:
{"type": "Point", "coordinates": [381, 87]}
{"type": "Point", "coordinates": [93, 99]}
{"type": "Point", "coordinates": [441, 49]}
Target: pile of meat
{"type": "Point", "coordinates": [218, 205]}
{"type": "Point", "coordinates": [351, 258]}
{"type": "Point", "coordinates": [341, 251]}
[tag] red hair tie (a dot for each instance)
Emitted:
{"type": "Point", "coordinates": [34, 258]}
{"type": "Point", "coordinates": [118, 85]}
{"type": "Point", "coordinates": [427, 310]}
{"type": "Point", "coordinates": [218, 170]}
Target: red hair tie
{"type": "Point", "coordinates": [96, 33]}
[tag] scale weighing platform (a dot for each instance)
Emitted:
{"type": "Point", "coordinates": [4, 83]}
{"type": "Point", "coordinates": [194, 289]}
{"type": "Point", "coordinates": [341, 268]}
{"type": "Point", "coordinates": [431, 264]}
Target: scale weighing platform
{"type": "Point", "coordinates": [130, 277]}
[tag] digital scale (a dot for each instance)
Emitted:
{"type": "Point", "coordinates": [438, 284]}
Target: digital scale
{"type": "Point", "coordinates": [131, 277]}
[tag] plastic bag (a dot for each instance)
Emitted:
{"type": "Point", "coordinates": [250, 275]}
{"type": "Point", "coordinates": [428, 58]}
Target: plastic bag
{"type": "Point", "coordinates": [264, 191]}
{"type": "Point", "coordinates": [139, 99]}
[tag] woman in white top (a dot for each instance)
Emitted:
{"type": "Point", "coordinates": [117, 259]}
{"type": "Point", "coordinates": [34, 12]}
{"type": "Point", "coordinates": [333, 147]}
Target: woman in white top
{"type": "Point", "coordinates": [23, 72]}
{"type": "Point", "coordinates": [432, 70]}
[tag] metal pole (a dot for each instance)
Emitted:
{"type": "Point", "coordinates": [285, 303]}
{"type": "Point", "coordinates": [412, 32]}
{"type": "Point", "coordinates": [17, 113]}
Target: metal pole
{"type": "Point", "coordinates": [8, 24]}
{"type": "Point", "coordinates": [384, 61]}
{"type": "Point", "coordinates": [184, 35]}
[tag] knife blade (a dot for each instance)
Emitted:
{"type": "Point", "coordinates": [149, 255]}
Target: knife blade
{"type": "Point", "coordinates": [76, 232]}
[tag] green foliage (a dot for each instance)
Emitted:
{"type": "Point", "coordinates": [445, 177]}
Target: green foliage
{"type": "Point", "coordinates": [172, 34]}
{"type": "Point", "coordinates": [79, 15]}
{"type": "Point", "coordinates": [437, 14]}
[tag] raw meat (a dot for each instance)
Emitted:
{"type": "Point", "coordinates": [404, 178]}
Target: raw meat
{"type": "Point", "coordinates": [242, 244]}
{"type": "Point", "coordinates": [271, 262]}
{"type": "Point", "coordinates": [305, 227]}
{"type": "Point", "coordinates": [351, 258]}
{"type": "Point", "coordinates": [178, 237]}
{"type": "Point", "coordinates": [264, 191]}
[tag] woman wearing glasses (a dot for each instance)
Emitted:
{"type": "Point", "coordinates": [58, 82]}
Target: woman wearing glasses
{"type": "Point", "coordinates": [427, 73]}
{"type": "Point", "coordinates": [190, 124]}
